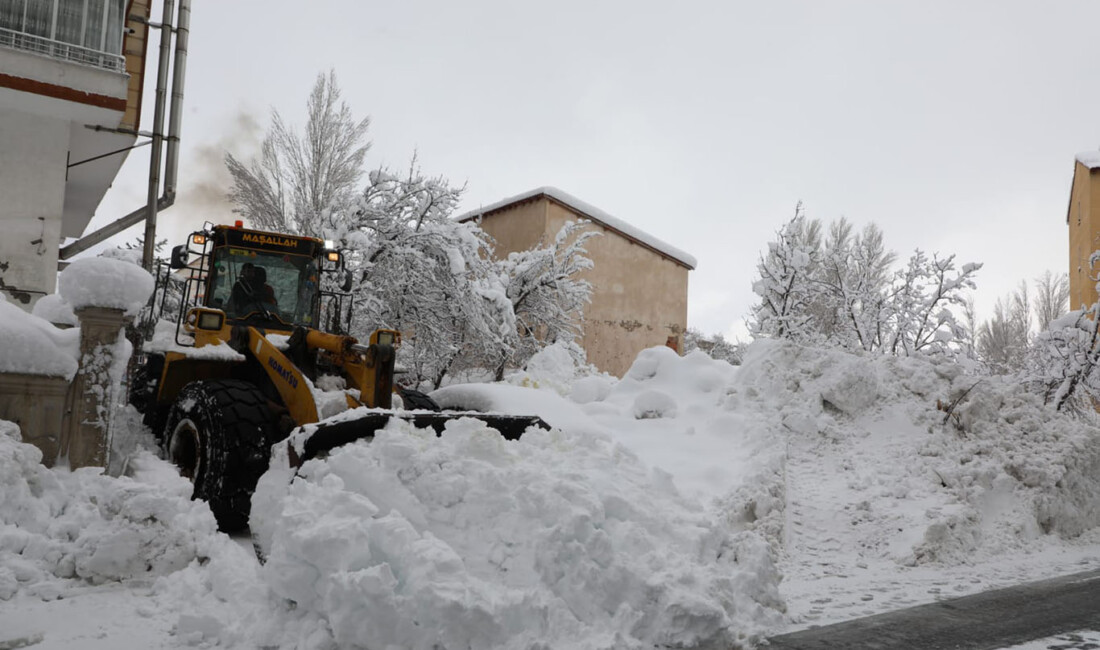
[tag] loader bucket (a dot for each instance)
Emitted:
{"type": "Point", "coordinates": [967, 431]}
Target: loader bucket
{"type": "Point", "coordinates": [330, 436]}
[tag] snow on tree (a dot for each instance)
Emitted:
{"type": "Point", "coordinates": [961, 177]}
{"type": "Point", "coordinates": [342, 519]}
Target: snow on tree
{"type": "Point", "coordinates": [784, 284]}
{"type": "Point", "coordinates": [1064, 358]}
{"type": "Point", "coordinates": [298, 178]}
{"type": "Point", "coordinates": [852, 281]}
{"type": "Point", "coordinates": [918, 313]}
{"type": "Point", "coordinates": [716, 347]}
{"type": "Point", "coordinates": [411, 268]}
{"type": "Point", "coordinates": [546, 295]}
{"type": "Point", "coordinates": [840, 291]}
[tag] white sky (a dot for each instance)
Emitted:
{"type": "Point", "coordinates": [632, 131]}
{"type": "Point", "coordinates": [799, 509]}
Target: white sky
{"type": "Point", "coordinates": [951, 125]}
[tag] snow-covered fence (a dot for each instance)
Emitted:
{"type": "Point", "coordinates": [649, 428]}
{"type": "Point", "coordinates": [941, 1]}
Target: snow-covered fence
{"type": "Point", "coordinates": [59, 385]}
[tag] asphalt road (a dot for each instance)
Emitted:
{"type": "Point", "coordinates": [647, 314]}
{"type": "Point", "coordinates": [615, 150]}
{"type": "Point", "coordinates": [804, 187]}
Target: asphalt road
{"type": "Point", "coordinates": [985, 621]}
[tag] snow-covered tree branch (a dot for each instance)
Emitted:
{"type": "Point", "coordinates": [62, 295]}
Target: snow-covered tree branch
{"type": "Point", "coordinates": [841, 291]}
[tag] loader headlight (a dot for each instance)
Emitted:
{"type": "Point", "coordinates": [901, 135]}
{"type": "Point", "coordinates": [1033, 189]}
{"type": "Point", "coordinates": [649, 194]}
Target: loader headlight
{"type": "Point", "coordinates": [384, 337]}
{"type": "Point", "coordinates": [333, 256]}
{"type": "Point", "coordinates": [198, 238]}
{"type": "Point", "coordinates": [209, 320]}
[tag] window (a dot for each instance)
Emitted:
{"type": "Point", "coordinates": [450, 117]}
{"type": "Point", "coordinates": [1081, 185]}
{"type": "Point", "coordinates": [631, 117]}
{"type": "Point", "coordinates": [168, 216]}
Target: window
{"type": "Point", "coordinates": [265, 287]}
{"type": "Point", "coordinates": [76, 30]}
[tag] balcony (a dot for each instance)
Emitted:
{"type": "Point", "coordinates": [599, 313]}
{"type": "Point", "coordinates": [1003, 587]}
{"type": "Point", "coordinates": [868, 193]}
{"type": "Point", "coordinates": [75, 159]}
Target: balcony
{"type": "Point", "coordinates": [85, 32]}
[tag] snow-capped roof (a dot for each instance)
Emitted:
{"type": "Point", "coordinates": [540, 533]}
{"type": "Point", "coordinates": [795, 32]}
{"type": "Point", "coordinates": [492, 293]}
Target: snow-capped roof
{"type": "Point", "coordinates": [1090, 159]}
{"type": "Point", "coordinates": [592, 213]}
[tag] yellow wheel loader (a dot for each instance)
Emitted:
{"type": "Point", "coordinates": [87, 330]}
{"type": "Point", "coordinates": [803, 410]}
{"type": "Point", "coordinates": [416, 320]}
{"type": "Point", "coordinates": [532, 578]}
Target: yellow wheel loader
{"type": "Point", "coordinates": [249, 357]}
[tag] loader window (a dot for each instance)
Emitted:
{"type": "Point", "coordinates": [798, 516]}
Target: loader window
{"type": "Point", "coordinates": [276, 289]}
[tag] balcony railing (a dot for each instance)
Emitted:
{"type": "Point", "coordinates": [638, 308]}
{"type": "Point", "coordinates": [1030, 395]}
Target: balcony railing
{"type": "Point", "coordinates": [59, 50]}
{"type": "Point", "coordinates": [88, 32]}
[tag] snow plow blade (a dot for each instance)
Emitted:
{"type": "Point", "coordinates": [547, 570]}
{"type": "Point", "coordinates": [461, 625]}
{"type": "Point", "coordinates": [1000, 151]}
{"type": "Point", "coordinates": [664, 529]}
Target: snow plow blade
{"type": "Point", "coordinates": [330, 436]}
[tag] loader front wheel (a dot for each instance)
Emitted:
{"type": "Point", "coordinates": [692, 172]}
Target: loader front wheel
{"type": "Point", "coordinates": [219, 434]}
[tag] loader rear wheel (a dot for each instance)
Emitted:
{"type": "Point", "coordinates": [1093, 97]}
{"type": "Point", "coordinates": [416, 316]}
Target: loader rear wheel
{"type": "Point", "coordinates": [219, 434]}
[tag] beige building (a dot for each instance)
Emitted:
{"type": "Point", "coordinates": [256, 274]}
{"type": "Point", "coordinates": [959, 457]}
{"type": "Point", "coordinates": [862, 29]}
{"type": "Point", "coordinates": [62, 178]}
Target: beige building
{"type": "Point", "coordinates": [1083, 218]}
{"type": "Point", "coordinates": [639, 283]}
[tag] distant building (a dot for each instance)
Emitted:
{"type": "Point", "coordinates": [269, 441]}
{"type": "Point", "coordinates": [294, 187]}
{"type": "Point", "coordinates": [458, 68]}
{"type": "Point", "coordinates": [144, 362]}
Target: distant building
{"type": "Point", "coordinates": [1083, 218]}
{"type": "Point", "coordinates": [639, 283]}
{"type": "Point", "coordinates": [66, 68]}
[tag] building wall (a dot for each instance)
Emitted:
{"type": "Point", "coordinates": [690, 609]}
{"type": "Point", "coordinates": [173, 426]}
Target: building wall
{"type": "Point", "coordinates": [517, 228]}
{"type": "Point", "coordinates": [32, 159]}
{"type": "Point", "coordinates": [639, 297]}
{"type": "Point", "coordinates": [1084, 236]}
{"type": "Point", "coordinates": [134, 47]}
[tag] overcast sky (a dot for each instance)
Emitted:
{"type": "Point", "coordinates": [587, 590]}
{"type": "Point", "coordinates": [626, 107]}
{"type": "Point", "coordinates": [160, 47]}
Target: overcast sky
{"type": "Point", "coordinates": [952, 125]}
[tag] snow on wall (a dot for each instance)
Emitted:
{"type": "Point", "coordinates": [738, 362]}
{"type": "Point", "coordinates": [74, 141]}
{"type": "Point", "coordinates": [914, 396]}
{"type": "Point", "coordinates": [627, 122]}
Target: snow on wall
{"type": "Point", "coordinates": [592, 212]}
{"type": "Point", "coordinates": [105, 282]}
{"type": "Point", "coordinates": [33, 346]}
{"type": "Point", "coordinates": [54, 309]}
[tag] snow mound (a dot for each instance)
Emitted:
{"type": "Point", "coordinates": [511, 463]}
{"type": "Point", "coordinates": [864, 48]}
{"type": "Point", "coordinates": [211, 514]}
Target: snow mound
{"type": "Point", "coordinates": [553, 364]}
{"type": "Point", "coordinates": [57, 525]}
{"type": "Point", "coordinates": [925, 463]}
{"type": "Point", "coordinates": [105, 282]}
{"type": "Point", "coordinates": [558, 539]}
{"type": "Point", "coordinates": [31, 345]}
{"type": "Point", "coordinates": [54, 309]}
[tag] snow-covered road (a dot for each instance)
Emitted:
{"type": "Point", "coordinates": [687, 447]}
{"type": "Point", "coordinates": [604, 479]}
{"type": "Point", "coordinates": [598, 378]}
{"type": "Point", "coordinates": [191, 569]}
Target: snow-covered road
{"type": "Point", "coordinates": [689, 503]}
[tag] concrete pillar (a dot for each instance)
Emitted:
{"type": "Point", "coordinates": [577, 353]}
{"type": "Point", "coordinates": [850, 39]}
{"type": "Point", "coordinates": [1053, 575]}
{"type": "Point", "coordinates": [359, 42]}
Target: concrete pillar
{"type": "Point", "coordinates": [85, 441]}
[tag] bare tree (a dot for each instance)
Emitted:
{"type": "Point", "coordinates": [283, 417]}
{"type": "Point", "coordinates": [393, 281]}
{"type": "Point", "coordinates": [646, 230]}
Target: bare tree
{"type": "Point", "coordinates": [1051, 297]}
{"type": "Point", "coordinates": [297, 179]}
{"type": "Point", "coordinates": [1004, 340]}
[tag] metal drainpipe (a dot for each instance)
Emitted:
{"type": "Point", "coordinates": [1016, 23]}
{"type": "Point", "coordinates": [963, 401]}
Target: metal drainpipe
{"type": "Point", "coordinates": [179, 70]}
{"type": "Point", "coordinates": [158, 137]}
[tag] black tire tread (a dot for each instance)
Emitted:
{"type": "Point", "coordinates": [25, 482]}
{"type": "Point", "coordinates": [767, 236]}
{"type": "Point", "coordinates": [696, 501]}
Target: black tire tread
{"type": "Point", "coordinates": [240, 431]}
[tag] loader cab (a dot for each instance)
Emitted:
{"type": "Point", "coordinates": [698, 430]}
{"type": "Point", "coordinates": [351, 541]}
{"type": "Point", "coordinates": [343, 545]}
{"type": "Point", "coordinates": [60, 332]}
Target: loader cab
{"type": "Point", "coordinates": [248, 277]}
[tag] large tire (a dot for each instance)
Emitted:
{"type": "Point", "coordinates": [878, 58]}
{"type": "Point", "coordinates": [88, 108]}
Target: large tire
{"type": "Point", "coordinates": [219, 433]}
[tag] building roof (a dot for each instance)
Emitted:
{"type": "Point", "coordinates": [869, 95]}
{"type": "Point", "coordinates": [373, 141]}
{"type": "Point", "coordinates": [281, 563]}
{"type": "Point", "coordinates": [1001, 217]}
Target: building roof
{"type": "Point", "coordinates": [1090, 159]}
{"type": "Point", "coordinates": [592, 213]}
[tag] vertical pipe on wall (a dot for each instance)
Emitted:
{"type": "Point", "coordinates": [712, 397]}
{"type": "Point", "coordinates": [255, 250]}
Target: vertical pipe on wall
{"type": "Point", "coordinates": [158, 137]}
{"type": "Point", "coordinates": [179, 70]}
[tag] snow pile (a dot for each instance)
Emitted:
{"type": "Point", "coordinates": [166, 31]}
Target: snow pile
{"type": "Point", "coordinates": [105, 282]}
{"type": "Point", "coordinates": [57, 525]}
{"type": "Point", "coordinates": [31, 345]}
{"type": "Point", "coordinates": [925, 462]}
{"type": "Point", "coordinates": [553, 366]}
{"type": "Point", "coordinates": [559, 539]}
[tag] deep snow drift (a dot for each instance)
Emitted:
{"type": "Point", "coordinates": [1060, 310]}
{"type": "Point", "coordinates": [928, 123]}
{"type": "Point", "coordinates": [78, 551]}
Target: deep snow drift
{"type": "Point", "coordinates": [662, 510]}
